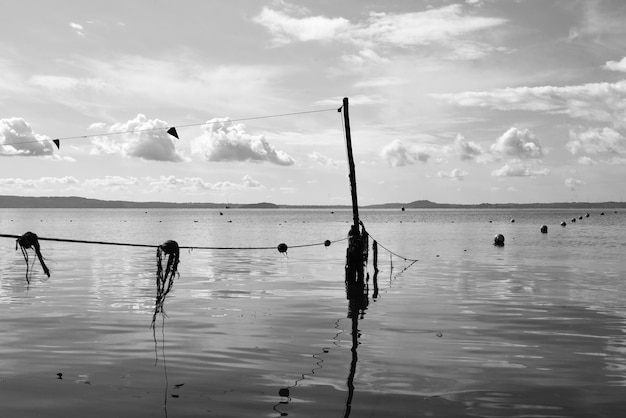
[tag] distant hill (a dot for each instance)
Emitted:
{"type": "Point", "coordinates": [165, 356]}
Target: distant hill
{"type": "Point", "coordinates": [81, 202]}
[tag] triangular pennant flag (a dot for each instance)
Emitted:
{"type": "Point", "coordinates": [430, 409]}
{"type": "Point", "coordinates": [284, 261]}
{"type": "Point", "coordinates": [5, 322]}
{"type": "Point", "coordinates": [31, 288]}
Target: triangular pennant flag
{"type": "Point", "coordinates": [57, 142]}
{"type": "Point", "coordinates": [172, 131]}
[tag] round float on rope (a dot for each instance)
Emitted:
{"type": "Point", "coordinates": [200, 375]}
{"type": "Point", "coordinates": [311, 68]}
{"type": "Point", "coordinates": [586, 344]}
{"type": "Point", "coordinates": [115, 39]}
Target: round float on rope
{"type": "Point", "coordinates": [512, 220]}
{"type": "Point", "coordinates": [544, 229]}
{"type": "Point", "coordinates": [563, 223]}
{"type": "Point", "coordinates": [498, 240]}
{"type": "Point", "coordinates": [327, 243]}
{"type": "Point", "coordinates": [282, 248]}
{"type": "Point", "coordinates": [573, 219]}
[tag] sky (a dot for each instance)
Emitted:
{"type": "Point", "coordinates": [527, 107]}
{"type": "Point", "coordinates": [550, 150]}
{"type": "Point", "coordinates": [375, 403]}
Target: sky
{"type": "Point", "coordinates": [474, 101]}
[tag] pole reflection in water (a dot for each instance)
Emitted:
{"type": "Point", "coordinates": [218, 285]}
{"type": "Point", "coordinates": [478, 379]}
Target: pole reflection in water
{"type": "Point", "coordinates": [358, 300]}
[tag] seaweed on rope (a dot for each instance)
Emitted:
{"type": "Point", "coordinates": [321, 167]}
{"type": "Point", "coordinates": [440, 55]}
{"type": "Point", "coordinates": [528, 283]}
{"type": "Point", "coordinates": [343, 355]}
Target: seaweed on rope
{"type": "Point", "coordinates": [165, 278]}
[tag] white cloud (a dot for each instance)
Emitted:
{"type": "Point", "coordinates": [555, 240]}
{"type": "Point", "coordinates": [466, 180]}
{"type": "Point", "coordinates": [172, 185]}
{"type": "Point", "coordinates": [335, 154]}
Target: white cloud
{"type": "Point", "coordinates": [17, 138]}
{"type": "Point", "coordinates": [58, 83]}
{"type": "Point", "coordinates": [516, 168]}
{"type": "Point", "coordinates": [196, 184]}
{"type": "Point", "coordinates": [616, 65]}
{"type": "Point", "coordinates": [455, 174]}
{"type": "Point", "coordinates": [584, 160]}
{"type": "Point", "coordinates": [466, 150]}
{"type": "Point", "coordinates": [518, 143]}
{"type": "Point", "coordinates": [448, 27]}
{"type": "Point", "coordinates": [396, 154]}
{"type": "Point", "coordinates": [78, 28]}
{"type": "Point", "coordinates": [111, 183]}
{"type": "Point", "coordinates": [572, 183]}
{"type": "Point", "coordinates": [224, 140]}
{"type": "Point", "coordinates": [596, 141]}
{"type": "Point", "coordinates": [140, 138]}
{"type": "Point", "coordinates": [600, 102]}
{"type": "Point", "coordinates": [323, 160]}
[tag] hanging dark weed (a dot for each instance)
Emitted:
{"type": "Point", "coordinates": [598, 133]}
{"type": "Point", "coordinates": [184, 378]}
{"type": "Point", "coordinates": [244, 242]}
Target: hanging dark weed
{"type": "Point", "coordinates": [25, 242]}
{"type": "Point", "coordinates": [165, 277]}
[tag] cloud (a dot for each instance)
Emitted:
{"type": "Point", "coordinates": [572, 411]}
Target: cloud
{"type": "Point", "coordinates": [616, 65]}
{"type": "Point", "coordinates": [584, 160]}
{"type": "Point", "coordinates": [572, 183]}
{"type": "Point", "coordinates": [396, 154]}
{"type": "Point", "coordinates": [60, 83]}
{"type": "Point", "coordinates": [596, 141]}
{"type": "Point", "coordinates": [516, 168]}
{"type": "Point", "coordinates": [196, 184]}
{"type": "Point", "coordinates": [111, 183]}
{"type": "Point", "coordinates": [78, 29]}
{"type": "Point", "coordinates": [455, 174]}
{"type": "Point", "coordinates": [323, 160]}
{"type": "Point", "coordinates": [142, 138]}
{"type": "Point", "coordinates": [518, 143]}
{"type": "Point", "coordinates": [43, 183]}
{"type": "Point", "coordinates": [466, 150]}
{"type": "Point", "coordinates": [224, 140]}
{"type": "Point", "coordinates": [599, 102]}
{"type": "Point", "coordinates": [448, 27]}
{"type": "Point", "coordinates": [17, 138]}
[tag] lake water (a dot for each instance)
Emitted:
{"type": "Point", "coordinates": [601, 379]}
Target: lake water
{"type": "Point", "coordinates": [535, 328]}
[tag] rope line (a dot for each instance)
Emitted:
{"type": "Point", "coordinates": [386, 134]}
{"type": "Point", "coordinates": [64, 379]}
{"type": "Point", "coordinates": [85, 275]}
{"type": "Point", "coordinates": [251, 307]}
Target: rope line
{"type": "Point", "coordinates": [414, 260]}
{"type": "Point", "coordinates": [172, 126]}
{"type": "Point", "coordinates": [126, 244]}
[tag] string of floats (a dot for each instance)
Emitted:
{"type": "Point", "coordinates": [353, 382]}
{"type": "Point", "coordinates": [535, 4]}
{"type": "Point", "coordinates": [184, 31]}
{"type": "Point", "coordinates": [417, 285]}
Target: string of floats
{"type": "Point", "coordinates": [30, 240]}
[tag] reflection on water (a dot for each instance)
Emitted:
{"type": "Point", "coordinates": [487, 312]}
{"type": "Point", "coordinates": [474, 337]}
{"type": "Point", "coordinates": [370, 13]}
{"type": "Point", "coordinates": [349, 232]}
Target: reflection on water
{"type": "Point", "coordinates": [535, 328]}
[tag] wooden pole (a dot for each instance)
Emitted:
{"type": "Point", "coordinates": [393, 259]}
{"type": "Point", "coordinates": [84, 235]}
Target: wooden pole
{"type": "Point", "coordinates": [355, 205]}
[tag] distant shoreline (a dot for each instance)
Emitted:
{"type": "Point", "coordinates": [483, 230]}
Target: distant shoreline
{"type": "Point", "coordinates": [73, 202]}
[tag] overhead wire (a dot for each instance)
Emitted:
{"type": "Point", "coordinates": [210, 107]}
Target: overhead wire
{"type": "Point", "coordinates": [133, 131]}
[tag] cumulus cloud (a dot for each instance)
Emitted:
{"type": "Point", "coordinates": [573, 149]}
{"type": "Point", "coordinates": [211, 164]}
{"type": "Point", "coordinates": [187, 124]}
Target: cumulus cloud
{"type": "Point", "coordinates": [396, 154]}
{"type": "Point", "coordinates": [585, 160]}
{"type": "Point", "coordinates": [518, 143]}
{"type": "Point", "coordinates": [17, 138]}
{"type": "Point", "coordinates": [455, 174]}
{"type": "Point", "coordinates": [447, 27]}
{"type": "Point", "coordinates": [40, 184]}
{"type": "Point", "coordinates": [516, 168]}
{"type": "Point", "coordinates": [323, 160]}
{"type": "Point", "coordinates": [111, 183]}
{"type": "Point", "coordinates": [616, 65]}
{"type": "Point", "coordinates": [141, 138]}
{"type": "Point", "coordinates": [572, 183]}
{"type": "Point", "coordinates": [466, 150]}
{"type": "Point", "coordinates": [196, 184]}
{"type": "Point", "coordinates": [599, 102]}
{"type": "Point", "coordinates": [224, 140]}
{"type": "Point", "coordinates": [596, 141]}
{"type": "Point", "coordinates": [78, 29]}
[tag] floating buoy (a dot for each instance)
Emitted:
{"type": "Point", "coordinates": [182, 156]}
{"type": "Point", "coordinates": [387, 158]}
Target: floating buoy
{"type": "Point", "coordinates": [587, 215]}
{"type": "Point", "coordinates": [563, 223]}
{"type": "Point", "coordinates": [573, 219]}
{"type": "Point", "coordinates": [403, 209]}
{"type": "Point", "coordinates": [498, 240]}
{"type": "Point", "coordinates": [544, 229]}
{"type": "Point", "coordinates": [580, 217]}
{"type": "Point", "coordinates": [512, 220]}
{"type": "Point", "coordinates": [601, 213]}
{"type": "Point", "coordinates": [327, 243]}
{"type": "Point", "coordinates": [282, 248]}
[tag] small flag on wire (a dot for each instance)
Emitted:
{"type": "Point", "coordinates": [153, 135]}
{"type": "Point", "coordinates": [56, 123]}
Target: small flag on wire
{"type": "Point", "coordinates": [172, 131]}
{"type": "Point", "coordinates": [57, 142]}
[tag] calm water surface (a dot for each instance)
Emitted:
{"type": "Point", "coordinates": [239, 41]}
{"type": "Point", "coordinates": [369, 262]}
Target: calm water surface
{"type": "Point", "coordinates": [532, 329]}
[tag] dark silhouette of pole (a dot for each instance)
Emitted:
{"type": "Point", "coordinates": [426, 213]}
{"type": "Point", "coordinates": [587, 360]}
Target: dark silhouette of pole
{"type": "Point", "coordinates": [355, 204]}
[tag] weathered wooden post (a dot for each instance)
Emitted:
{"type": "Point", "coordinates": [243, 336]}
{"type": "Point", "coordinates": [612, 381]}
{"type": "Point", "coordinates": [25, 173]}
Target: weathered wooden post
{"type": "Point", "coordinates": [356, 252]}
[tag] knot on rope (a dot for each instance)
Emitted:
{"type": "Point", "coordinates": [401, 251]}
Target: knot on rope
{"type": "Point", "coordinates": [165, 277]}
{"type": "Point", "coordinates": [27, 241]}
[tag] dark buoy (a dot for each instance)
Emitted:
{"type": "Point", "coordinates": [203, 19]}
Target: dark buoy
{"type": "Point", "coordinates": [563, 223]}
{"type": "Point", "coordinates": [587, 215]}
{"type": "Point", "coordinates": [580, 217]}
{"type": "Point", "coordinates": [573, 219]}
{"type": "Point", "coordinates": [512, 220]}
{"type": "Point", "coordinates": [282, 248]}
{"type": "Point", "coordinates": [601, 213]}
{"type": "Point", "coordinates": [403, 209]}
{"type": "Point", "coordinates": [327, 243]}
{"type": "Point", "coordinates": [544, 229]}
{"type": "Point", "coordinates": [498, 240]}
